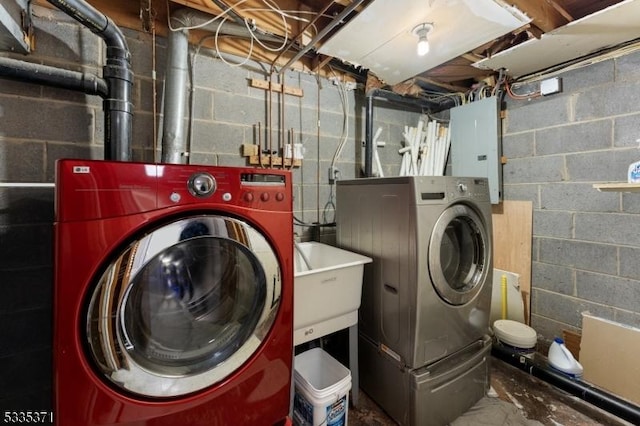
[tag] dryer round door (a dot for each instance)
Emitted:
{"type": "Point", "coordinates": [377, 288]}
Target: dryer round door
{"type": "Point", "coordinates": [184, 306]}
{"type": "Point", "coordinates": [459, 254]}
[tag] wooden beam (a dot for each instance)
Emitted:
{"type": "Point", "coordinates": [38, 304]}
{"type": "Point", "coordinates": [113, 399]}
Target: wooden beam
{"type": "Point", "coordinates": [561, 10]}
{"type": "Point", "coordinates": [264, 84]}
{"type": "Point", "coordinates": [251, 9]}
{"type": "Point", "coordinates": [543, 13]}
{"type": "Point", "coordinates": [321, 61]}
{"type": "Point", "coordinates": [126, 13]}
{"type": "Point", "coordinates": [272, 160]}
{"type": "Point", "coordinates": [346, 3]}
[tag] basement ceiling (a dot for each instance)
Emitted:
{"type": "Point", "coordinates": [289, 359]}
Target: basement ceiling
{"type": "Point", "coordinates": [381, 38]}
{"type": "Point", "coordinates": [376, 36]}
{"type": "Point", "coordinates": [460, 71]}
{"type": "Point", "coordinates": [609, 27]}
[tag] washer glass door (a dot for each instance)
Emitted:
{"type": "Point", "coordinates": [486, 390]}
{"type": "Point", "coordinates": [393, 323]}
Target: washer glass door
{"type": "Point", "coordinates": [184, 306]}
{"type": "Point", "coordinates": [459, 254]}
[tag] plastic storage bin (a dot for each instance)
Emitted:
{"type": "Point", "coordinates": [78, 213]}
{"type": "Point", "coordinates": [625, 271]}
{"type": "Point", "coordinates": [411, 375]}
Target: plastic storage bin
{"type": "Point", "coordinates": [322, 385]}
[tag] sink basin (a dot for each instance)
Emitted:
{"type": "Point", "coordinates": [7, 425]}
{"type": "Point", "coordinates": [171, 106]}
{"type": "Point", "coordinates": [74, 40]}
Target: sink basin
{"type": "Point", "coordinates": [327, 290]}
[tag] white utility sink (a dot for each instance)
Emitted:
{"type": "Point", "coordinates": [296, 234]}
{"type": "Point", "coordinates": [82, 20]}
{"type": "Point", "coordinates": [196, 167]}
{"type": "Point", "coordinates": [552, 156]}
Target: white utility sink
{"type": "Point", "coordinates": [327, 290]}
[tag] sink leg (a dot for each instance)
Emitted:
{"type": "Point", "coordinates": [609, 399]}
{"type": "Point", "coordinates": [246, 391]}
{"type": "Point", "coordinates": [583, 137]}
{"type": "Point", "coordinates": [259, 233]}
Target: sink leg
{"type": "Point", "coordinates": [353, 364]}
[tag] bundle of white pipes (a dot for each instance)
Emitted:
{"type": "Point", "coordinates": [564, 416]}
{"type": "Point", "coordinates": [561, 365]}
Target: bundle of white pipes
{"type": "Point", "coordinates": [425, 149]}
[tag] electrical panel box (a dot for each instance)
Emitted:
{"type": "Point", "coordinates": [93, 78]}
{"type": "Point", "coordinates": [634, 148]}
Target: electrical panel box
{"type": "Point", "coordinates": [15, 26]}
{"type": "Point", "coordinates": [476, 148]}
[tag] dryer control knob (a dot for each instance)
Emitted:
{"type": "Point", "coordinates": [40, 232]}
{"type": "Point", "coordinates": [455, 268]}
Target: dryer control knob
{"type": "Point", "coordinates": [248, 197]}
{"type": "Point", "coordinates": [279, 196]}
{"type": "Point", "coordinates": [462, 187]}
{"type": "Point", "coordinates": [264, 196]}
{"type": "Point", "coordinates": [201, 185]}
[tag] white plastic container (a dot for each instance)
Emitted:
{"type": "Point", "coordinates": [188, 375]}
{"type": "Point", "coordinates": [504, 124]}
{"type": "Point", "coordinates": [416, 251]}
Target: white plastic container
{"type": "Point", "coordinates": [322, 388]}
{"type": "Point", "coordinates": [634, 172]}
{"type": "Point", "coordinates": [562, 359]}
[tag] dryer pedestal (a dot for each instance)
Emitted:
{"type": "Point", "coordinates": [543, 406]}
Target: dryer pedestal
{"type": "Point", "coordinates": [435, 394]}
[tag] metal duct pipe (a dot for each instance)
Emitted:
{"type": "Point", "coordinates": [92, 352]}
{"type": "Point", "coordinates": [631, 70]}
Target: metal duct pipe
{"type": "Point", "coordinates": [90, 84]}
{"type": "Point", "coordinates": [176, 81]}
{"type": "Point", "coordinates": [591, 394]}
{"type": "Point", "coordinates": [118, 105]}
{"type": "Point", "coordinates": [175, 98]}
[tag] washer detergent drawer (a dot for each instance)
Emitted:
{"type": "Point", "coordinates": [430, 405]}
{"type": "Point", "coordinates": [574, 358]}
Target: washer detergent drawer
{"type": "Point", "coordinates": [443, 391]}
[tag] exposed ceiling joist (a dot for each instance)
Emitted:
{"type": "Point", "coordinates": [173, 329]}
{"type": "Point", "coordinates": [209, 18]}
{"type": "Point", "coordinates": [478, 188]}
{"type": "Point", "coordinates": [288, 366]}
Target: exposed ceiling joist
{"type": "Point", "coordinates": [543, 13]}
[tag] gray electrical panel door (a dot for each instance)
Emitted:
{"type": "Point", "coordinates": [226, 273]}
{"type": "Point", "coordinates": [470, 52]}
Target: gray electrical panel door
{"type": "Point", "coordinates": [475, 143]}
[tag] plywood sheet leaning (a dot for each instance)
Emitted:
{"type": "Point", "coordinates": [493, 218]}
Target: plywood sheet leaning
{"type": "Point", "coordinates": [609, 355]}
{"type": "Point", "coordinates": [512, 234]}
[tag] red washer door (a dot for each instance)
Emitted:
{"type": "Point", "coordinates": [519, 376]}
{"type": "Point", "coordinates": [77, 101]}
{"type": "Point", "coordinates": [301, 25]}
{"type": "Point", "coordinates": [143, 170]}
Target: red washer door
{"type": "Point", "coordinates": [183, 306]}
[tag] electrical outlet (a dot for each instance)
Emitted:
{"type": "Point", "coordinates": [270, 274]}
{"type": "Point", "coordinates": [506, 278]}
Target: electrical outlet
{"type": "Point", "coordinates": [333, 175]}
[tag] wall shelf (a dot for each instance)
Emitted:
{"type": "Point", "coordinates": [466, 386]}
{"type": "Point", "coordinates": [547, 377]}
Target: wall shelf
{"type": "Point", "coordinates": [618, 186]}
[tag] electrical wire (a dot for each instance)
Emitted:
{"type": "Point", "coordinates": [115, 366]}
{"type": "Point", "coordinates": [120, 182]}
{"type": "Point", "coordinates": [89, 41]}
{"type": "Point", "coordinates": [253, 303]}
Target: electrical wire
{"type": "Point", "coordinates": [329, 207]}
{"type": "Point", "coordinates": [299, 222]}
{"type": "Point", "coordinates": [219, 54]}
{"type": "Point", "coordinates": [438, 97]}
{"type": "Point", "coordinates": [249, 25]}
{"type": "Point", "coordinates": [344, 100]}
{"type": "Point", "coordinates": [285, 26]}
{"type": "Point", "coordinates": [520, 96]}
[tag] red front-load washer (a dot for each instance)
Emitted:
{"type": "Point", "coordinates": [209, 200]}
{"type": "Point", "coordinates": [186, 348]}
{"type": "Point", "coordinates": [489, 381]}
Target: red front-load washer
{"type": "Point", "coordinates": [173, 294]}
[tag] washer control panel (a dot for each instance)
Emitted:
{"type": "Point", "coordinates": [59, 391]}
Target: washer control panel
{"type": "Point", "coordinates": [97, 189]}
{"type": "Point", "coordinates": [263, 188]}
{"type": "Point", "coordinates": [469, 188]}
{"type": "Point", "coordinates": [260, 189]}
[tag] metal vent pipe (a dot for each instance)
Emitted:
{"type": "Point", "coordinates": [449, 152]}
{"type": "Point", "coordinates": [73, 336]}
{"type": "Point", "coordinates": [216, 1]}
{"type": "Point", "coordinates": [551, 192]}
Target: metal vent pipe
{"type": "Point", "coordinates": [174, 141]}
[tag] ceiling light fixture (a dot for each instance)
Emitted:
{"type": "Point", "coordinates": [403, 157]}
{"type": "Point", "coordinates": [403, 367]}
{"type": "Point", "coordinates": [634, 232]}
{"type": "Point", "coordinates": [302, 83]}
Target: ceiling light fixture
{"type": "Point", "coordinates": [421, 32]}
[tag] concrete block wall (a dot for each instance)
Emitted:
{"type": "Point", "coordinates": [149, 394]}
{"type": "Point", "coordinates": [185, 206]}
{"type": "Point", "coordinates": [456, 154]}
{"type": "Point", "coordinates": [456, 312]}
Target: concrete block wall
{"type": "Point", "coordinates": [39, 125]}
{"type": "Point", "coordinates": [586, 243]}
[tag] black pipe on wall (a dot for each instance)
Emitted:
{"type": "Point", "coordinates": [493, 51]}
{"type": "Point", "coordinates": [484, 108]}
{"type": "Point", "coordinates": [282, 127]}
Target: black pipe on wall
{"type": "Point", "coordinates": [118, 105]}
{"type": "Point", "coordinates": [87, 83]}
{"type": "Point", "coordinates": [368, 138]}
{"type": "Point", "coordinates": [591, 394]}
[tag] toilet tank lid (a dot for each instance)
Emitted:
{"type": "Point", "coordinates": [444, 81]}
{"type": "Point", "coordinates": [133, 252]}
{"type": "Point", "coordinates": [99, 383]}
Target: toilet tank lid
{"type": "Point", "coordinates": [515, 333]}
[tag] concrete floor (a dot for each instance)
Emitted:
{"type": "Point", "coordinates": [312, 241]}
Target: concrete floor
{"type": "Point", "coordinates": [519, 399]}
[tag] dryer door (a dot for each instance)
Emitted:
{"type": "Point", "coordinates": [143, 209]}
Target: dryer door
{"type": "Point", "coordinates": [184, 306]}
{"type": "Point", "coordinates": [459, 254]}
